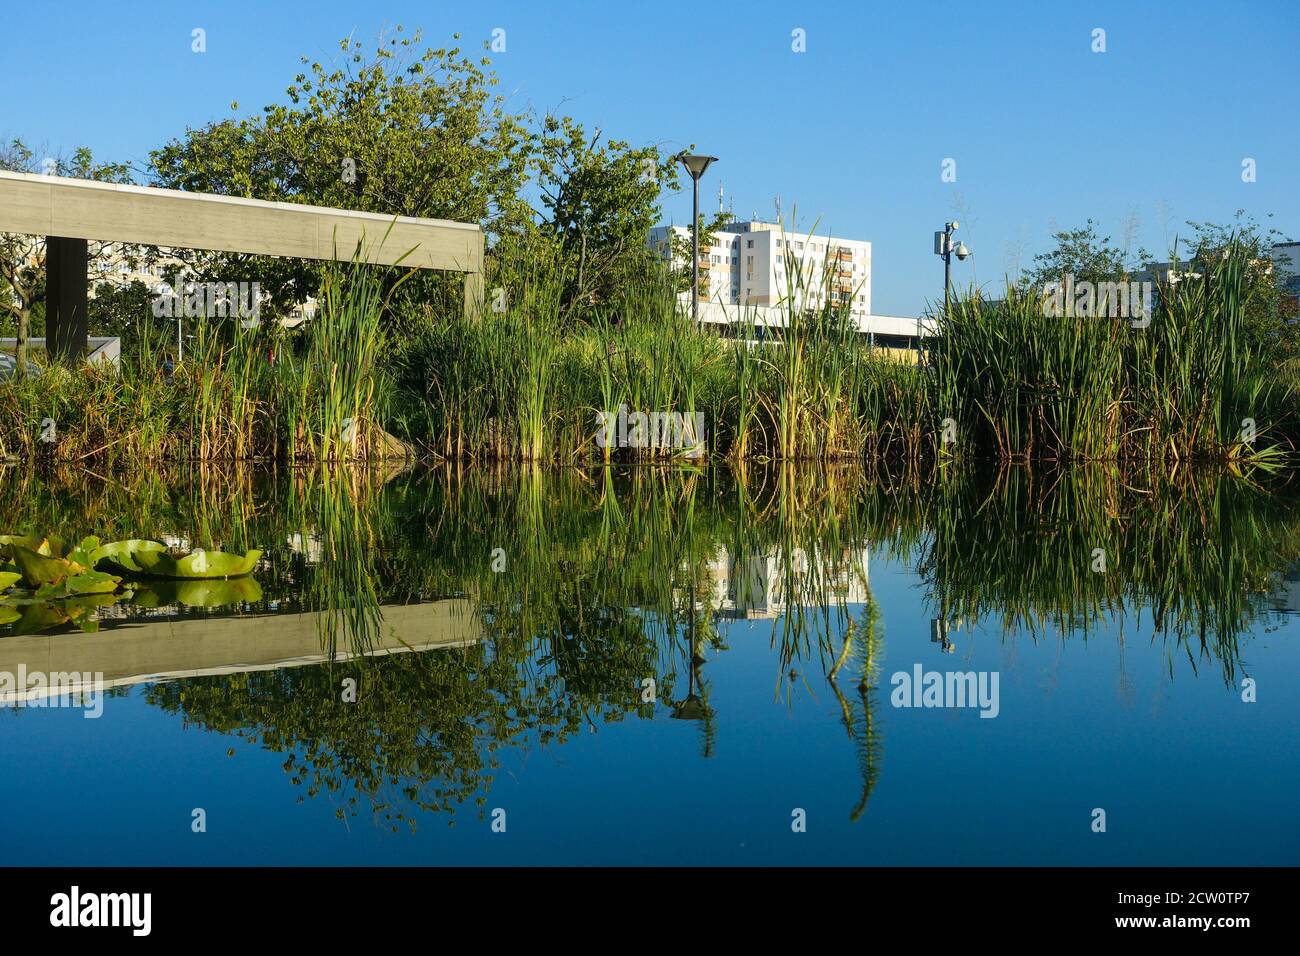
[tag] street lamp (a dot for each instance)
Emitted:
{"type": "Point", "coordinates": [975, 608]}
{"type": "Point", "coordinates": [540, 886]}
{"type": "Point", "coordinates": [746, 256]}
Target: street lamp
{"type": "Point", "coordinates": [695, 165]}
{"type": "Point", "coordinates": [943, 246]}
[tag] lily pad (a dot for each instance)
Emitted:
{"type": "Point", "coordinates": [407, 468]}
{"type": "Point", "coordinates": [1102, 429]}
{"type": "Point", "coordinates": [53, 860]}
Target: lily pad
{"type": "Point", "coordinates": [35, 618]}
{"type": "Point", "coordinates": [32, 542]}
{"type": "Point", "coordinates": [133, 556]}
{"type": "Point", "coordinates": [87, 582]}
{"type": "Point", "coordinates": [202, 593]}
{"type": "Point", "coordinates": [199, 564]}
{"type": "Point", "coordinates": [8, 579]}
{"type": "Point", "coordinates": [39, 570]}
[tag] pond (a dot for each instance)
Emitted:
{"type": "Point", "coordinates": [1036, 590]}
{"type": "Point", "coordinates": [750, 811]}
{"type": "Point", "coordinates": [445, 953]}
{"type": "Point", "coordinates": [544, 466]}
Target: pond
{"type": "Point", "coordinates": [663, 666]}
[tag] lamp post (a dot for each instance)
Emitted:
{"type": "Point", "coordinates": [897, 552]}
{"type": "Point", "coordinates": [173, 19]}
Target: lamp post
{"type": "Point", "coordinates": [943, 246]}
{"type": "Point", "coordinates": [695, 165]}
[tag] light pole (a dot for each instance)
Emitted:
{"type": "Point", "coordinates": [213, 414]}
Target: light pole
{"type": "Point", "coordinates": [944, 247]}
{"type": "Point", "coordinates": [695, 165]}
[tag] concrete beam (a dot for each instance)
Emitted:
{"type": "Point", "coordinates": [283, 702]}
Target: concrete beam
{"type": "Point", "coordinates": [142, 215]}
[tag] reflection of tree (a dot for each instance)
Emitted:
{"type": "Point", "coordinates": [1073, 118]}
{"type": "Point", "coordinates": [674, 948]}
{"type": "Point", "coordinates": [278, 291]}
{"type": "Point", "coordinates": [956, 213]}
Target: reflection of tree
{"type": "Point", "coordinates": [613, 580]}
{"type": "Point", "coordinates": [425, 729]}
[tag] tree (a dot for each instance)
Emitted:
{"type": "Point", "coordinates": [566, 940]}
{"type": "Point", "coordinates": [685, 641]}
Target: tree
{"type": "Point", "coordinates": [1080, 253]}
{"type": "Point", "coordinates": [599, 201]}
{"type": "Point", "coordinates": [22, 257]}
{"type": "Point", "coordinates": [396, 133]}
{"type": "Point", "coordinates": [682, 247]}
{"type": "Point", "coordinates": [123, 311]}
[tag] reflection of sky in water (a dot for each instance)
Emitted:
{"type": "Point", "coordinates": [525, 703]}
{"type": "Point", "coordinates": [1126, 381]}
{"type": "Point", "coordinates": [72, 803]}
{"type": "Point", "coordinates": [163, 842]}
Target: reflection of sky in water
{"type": "Point", "coordinates": [1187, 773]}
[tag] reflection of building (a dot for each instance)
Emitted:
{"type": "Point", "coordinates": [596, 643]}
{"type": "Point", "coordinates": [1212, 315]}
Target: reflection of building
{"type": "Point", "coordinates": [1286, 596]}
{"type": "Point", "coordinates": [764, 584]}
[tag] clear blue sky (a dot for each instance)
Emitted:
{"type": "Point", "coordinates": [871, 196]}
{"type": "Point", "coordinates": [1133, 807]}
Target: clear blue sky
{"type": "Point", "coordinates": [1045, 132]}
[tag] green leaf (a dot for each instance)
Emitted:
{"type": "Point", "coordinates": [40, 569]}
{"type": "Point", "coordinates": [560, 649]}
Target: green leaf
{"type": "Point", "coordinates": [204, 564]}
{"type": "Point", "coordinates": [86, 582]}
{"type": "Point", "coordinates": [38, 570]}
{"type": "Point", "coordinates": [199, 593]}
{"type": "Point", "coordinates": [8, 579]}
{"type": "Point", "coordinates": [134, 556]}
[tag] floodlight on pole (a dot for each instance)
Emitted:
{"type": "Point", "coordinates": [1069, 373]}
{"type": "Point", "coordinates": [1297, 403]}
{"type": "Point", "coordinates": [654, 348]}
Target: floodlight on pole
{"type": "Point", "coordinates": [944, 247]}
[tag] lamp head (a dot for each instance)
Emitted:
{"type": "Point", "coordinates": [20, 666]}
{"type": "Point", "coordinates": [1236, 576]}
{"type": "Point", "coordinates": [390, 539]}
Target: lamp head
{"type": "Point", "coordinates": [696, 164]}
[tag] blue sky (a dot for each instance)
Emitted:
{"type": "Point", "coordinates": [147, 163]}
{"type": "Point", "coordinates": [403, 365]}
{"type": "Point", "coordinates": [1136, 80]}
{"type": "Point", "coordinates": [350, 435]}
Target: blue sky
{"type": "Point", "coordinates": [854, 131]}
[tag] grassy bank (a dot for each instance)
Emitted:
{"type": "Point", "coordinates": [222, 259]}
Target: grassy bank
{"type": "Point", "coordinates": [532, 380]}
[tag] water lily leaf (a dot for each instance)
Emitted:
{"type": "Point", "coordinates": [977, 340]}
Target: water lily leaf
{"type": "Point", "coordinates": [39, 570]}
{"type": "Point", "coordinates": [204, 564]}
{"type": "Point", "coordinates": [82, 553]}
{"type": "Point", "coordinates": [85, 582]}
{"type": "Point", "coordinates": [8, 579]}
{"type": "Point", "coordinates": [33, 542]}
{"type": "Point", "coordinates": [9, 614]}
{"type": "Point", "coordinates": [39, 617]}
{"type": "Point", "coordinates": [133, 556]}
{"type": "Point", "coordinates": [201, 593]}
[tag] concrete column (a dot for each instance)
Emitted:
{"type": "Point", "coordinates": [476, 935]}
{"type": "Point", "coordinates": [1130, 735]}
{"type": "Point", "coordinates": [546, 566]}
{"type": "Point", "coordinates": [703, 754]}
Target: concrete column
{"type": "Point", "coordinates": [66, 294]}
{"type": "Point", "coordinates": [473, 294]}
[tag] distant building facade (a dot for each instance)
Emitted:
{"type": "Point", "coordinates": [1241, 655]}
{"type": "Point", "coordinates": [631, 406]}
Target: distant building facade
{"type": "Point", "coordinates": [754, 263]}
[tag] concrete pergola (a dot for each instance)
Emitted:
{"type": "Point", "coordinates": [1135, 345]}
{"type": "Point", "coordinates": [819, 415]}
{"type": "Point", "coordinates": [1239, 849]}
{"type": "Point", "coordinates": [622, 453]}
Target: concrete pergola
{"type": "Point", "coordinates": [69, 212]}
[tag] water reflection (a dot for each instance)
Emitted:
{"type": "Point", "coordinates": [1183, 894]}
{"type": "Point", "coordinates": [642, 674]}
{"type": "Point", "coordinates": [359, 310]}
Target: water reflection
{"type": "Point", "coordinates": [481, 612]}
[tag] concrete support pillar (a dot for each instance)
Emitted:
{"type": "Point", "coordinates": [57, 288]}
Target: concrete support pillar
{"type": "Point", "coordinates": [66, 295]}
{"type": "Point", "coordinates": [473, 294]}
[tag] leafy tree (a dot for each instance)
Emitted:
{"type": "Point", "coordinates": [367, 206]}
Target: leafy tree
{"type": "Point", "coordinates": [599, 201]}
{"type": "Point", "coordinates": [396, 133]}
{"type": "Point", "coordinates": [1081, 253]}
{"type": "Point", "coordinates": [682, 251]}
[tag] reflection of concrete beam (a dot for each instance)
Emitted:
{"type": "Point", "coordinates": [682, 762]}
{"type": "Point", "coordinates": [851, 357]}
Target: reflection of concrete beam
{"type": "Point", "coordinates": [140, 651]}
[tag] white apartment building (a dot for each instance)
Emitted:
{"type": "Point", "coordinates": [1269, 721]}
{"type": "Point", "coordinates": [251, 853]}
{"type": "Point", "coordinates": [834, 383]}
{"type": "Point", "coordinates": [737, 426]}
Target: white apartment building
{"type": "Point", "coordinates": [754, 263]}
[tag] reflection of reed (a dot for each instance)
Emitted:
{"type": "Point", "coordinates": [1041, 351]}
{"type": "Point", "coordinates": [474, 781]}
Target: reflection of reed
{"type": "Point", "coordinates": [615, 575]}
{"type": "Point", "coordinates": [1197, 551]}
{"type": "Point", "coordinates": [864, 642]}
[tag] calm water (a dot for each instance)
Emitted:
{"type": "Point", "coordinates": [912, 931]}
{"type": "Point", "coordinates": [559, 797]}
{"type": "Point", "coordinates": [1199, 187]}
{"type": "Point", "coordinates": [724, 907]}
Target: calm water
{"type": "Point", "coordinates": [502, 631]}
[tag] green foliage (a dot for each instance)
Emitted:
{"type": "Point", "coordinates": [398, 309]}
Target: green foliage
{"type": "Point", "coordinates": [1020, 383]}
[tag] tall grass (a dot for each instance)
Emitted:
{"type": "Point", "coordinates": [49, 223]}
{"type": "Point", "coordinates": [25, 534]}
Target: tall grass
{"type": "Point", "coordinates": [1022, 384]}
{"type": "Point", "coordinates": [323, 398]}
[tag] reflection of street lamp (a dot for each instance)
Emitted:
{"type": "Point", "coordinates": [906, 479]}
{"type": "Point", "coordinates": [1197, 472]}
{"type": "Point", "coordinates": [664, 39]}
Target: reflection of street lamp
{"type": "Point", "coordinates": [695, 165]}
{"type": "Point", "coordinates": [939, 634]}
{"type": "Point", "coordinates": [696, 705]}
{"type": "Point", "coordinates": [944, 247]}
